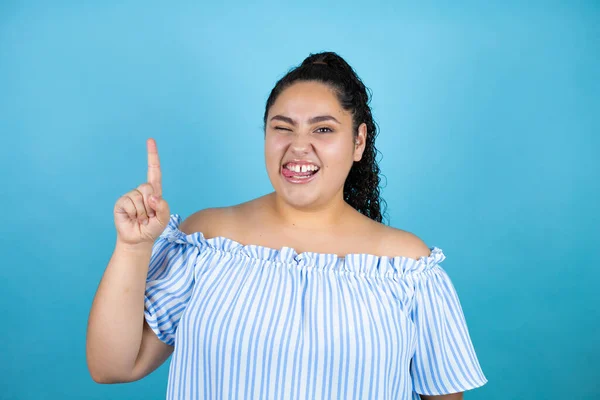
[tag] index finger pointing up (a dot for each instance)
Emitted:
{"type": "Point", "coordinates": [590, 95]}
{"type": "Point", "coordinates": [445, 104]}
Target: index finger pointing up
{"type": "Point", "coordinates": [154, 175]}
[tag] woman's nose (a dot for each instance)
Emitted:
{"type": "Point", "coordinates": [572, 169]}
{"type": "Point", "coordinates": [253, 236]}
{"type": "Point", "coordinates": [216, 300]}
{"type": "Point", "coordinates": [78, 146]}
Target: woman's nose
{"type": "Point", "coordinates": [301, 143]}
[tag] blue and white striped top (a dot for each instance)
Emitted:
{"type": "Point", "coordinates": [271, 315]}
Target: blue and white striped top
{"type": "Point", "coordinates": [251, 322]}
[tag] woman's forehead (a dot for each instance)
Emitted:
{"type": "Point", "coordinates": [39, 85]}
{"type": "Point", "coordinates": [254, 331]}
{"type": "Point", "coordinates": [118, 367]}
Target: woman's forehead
{"type": "Point", "coordinates": [304, 100]}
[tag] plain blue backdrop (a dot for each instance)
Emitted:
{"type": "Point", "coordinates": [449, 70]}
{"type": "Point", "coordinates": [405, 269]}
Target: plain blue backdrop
{"type": "Point", "coordinates": [489, 124]}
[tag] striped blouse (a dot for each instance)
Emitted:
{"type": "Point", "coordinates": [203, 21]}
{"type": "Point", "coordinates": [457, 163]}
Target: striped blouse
{"type": "Point", "coordinates": [251, 322]}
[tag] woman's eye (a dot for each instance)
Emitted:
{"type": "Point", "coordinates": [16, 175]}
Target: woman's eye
{"type": "Point", "coordinates": [319, 130]}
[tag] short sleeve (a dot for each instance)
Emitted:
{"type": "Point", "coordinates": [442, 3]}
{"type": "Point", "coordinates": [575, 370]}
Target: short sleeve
{"type": "Point", "coordinates": [444, 361]}
{"type": "Point", "coordinates": [169, 285]}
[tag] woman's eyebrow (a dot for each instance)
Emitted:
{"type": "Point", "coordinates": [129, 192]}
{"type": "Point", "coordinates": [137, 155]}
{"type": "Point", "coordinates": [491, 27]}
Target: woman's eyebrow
{"type": "Point", "coordinates": [312, 120]}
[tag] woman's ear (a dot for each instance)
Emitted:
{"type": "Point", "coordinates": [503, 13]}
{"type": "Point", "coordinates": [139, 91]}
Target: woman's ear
{"type": "Point", "coordinates": [360, 142]}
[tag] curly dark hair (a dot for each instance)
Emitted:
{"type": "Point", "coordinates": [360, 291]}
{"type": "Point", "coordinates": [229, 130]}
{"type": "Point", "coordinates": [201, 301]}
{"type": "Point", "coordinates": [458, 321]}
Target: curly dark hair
{"type": "Point", "coordinates": [361, 189]}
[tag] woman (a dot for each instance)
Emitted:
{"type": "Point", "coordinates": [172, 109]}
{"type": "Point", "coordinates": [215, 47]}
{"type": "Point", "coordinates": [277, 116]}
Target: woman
{"type": "Point", "coordinates": [302, 293]}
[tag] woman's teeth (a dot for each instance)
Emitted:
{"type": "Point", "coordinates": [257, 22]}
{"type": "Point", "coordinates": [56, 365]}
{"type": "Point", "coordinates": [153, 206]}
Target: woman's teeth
{"type": "Point", "coordinates": [299, 172]}
{"type": "Point", "coordinates": [303, 168]}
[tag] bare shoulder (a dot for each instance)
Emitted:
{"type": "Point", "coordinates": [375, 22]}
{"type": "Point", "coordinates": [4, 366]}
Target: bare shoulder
{"type": "Point", "coordinates": [229, 221]}
{"type": "Point", "coordinates": [397, 242]}
{"type": "Point", "coordinates": [210, 221]}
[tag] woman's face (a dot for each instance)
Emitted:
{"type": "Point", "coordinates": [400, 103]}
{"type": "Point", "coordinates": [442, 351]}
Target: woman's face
{"type": "Point", "coordinates": [309, 145]}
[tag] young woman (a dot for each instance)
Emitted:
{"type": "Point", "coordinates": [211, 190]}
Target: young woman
{"type": "Point", "coordinates": [302, 293]}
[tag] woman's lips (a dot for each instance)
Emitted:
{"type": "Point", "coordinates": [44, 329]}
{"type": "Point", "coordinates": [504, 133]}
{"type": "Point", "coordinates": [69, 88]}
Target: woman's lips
{"type": "Point", "coordinates": [298, 177]}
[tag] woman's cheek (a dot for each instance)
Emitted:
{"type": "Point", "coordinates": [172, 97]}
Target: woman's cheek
{"type": "Point", "coordinates": [277, 142]}
{"type": "Point", "coordinates": [274, 152]}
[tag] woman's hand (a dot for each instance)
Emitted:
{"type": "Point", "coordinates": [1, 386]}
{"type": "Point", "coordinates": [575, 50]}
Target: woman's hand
{"type": "Point", "coordinates": [142, 214]}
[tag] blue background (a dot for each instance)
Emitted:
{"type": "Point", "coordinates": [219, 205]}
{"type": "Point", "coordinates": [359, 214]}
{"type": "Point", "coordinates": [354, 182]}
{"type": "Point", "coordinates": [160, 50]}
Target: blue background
{"type": "Point", "coordinates": [489, 124]}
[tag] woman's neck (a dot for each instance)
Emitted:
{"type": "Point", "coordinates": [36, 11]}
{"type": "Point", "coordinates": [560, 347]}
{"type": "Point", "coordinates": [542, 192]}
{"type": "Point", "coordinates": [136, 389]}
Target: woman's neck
{"type": "Point", "coordinates": [320, 217]}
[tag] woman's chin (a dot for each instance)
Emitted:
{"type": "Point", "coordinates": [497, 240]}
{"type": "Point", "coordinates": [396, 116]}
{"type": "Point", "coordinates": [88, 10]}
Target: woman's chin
{"type": "Point", "coordinates": [298, 198]}
{"type": "Point", "coordinates": [304, 194]}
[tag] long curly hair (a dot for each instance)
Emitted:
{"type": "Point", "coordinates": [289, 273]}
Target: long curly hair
{"type": "Point", "coordinates": [361, 188]}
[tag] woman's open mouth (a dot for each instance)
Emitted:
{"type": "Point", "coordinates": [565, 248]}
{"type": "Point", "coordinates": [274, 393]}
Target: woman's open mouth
{"type": "Point", "coordinates": [299, 172]}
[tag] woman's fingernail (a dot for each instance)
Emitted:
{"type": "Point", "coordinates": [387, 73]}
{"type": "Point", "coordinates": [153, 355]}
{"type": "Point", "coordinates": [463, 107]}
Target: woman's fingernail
{"type": "Point", "coordinates": [145, 221]}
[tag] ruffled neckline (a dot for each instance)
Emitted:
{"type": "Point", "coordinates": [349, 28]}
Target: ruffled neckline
{"type": "Point", "coordinates": [361, 263]}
